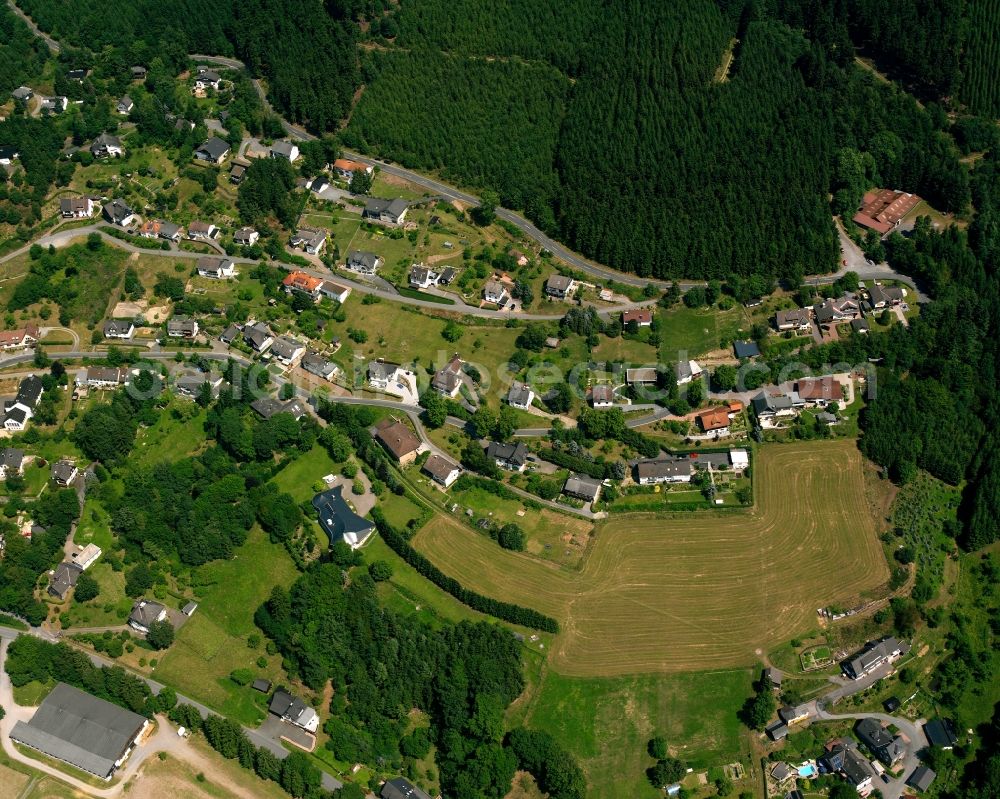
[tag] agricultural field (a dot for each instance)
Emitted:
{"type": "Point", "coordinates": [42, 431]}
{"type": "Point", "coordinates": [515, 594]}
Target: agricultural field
{"type": "Point", "coordinates": [693, 592]}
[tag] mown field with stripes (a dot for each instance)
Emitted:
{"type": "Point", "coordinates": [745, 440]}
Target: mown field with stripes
{"type": "Point", "coordinates": [698, 590]}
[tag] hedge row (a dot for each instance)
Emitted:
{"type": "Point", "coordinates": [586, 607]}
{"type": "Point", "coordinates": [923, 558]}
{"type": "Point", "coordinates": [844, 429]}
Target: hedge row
{"type": "Point", "coordinates": [507, 611]}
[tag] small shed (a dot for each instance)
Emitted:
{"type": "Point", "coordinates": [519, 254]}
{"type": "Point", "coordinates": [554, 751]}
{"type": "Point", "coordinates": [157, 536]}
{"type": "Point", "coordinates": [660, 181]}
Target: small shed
{"type": "Point", "coordinates": [262, 685]}
{"type": "Point", "coordinates": [189, 608]}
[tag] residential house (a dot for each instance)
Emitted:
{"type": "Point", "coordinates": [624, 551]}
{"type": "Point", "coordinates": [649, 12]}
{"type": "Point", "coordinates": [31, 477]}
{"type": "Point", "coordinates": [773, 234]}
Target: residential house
{"type": "Point", "coordinates": [739, 460]}
{"type": "Point", "coordinates": [107, 146]}
{"type": "Point", "coordinates": [850, 765]}
{"type": "Point", "coordinates": [559, 286]}
{"type": "Point", "coordinates": [794, 319]}
{"type": "Point", "coordinates": [191, 385]}
{"type": "Point", "coordinates": [159, 229]}
{"type": "Point", "coordinates": [821, 391]}
{"type": "Point", "coordinates": [579, 486]}
{"type": "Point", "coordinates": [316, 243]}
{"type": "Point", "coordinates": [769, 407]}
{"type": "Point", "coordinates": [64, 472]}
{"type": "Point", "coordinates": [202, 231]}
{"type": "Point", "coordinates": [125, 105]}
{"type": "Point", "coordinates": [182, 327]}
{"type": "Point", "coordinates": [87, 556]}
{"type": "Point", "coordinates": [921, 778]}
{"type": "Point", "coordinates": [18, 411]}
{"type": "Point", "coordinates": [777, 730]}
{"type": "Point", "coordinates": [77, 74]}
{"type": "Point", "coordinates": [144, 614]}
{"type": "Point", "coordinates": [286, 150]}
{"type": "Point", "coordinates": [367, 263]}
{"type": "Point", "coordinates": [347, 169]}
{"type": "Point", "coordinates": [54, 105]}
{"type": "Point", "coordinates": [686, 371]}
{"type": "Point", "coordinates": [381, 374]}
{"type": "Point", "coordinates": [214, 150]}
{"type": "Point", "coordinates": [207, 79]}
{"type": "Point", "coordinates": [512, 457]}
{"type": "Point", "coordinates": [880, 297]}
{"type": "Point", "coordinates": [138, 72]}
{"type": "Point", "coordinates": [441, 470]}
{"type": "Point", "coordinates": [672, 470]}
{"type": "Point", "coordinates": [641, 376]}
{"type": "Point", "coordinates": [19, 339]}
{"type": "Point", "coordinates": [216, 268]}
{"type": "Point", "coordinates": [318, 184]}
{"type": "Point", "coordinates": [448, 380]}
{"type": "Point", "coordinates": [602, 396]}
{"type": "Point", "coordinates": [76, 207]}
{"type": "Point", "coordinates": [293, 710]}
{"type": "Point", "coordinates": [940, 733]}
{"type": "Point", "coordinates": [885, 746]}
{"type": "Point", "coordinates": [422, 277]}
{"type": "Point", "coordinates": [8, 154]}
{"type": "Point", "coordinates": [63, 579]}
{"type": "Point", "coordinates": [860, 326]}
{"type": "Point", "coordinates": [105, 377]}
{"type": "Point", "coordinates": [834, 312]}
{"type": "Point", "coordinates": [520, 396]}
{"type": "Point", "coordinates": [88, 733]}
{"type": "Point", "coordinates": [714, 421]}
{"type": "Point", "coordinates": [23, 93]}
{"type": "Point", "coordinates": [387, 212]}
{"type": "Point", "coordinates": [230, 334]}
{"type": "Point", "coordinates": [317, 364]}
{"type": "Point", "coordinates": [339, 521]}
{"type": "Point", "coordinates": [773, 675]}
{"type": "Point", "coordinates": [400, 788]}
{"type": "Point", "coordinates": [874, 655]}
{"type": "Point", "coordinates": [495, 292]}
{"type": "Point", "coordinates": [746, 349]}
{"type": "Point", "coordinates": [118, 213]}
{"type": "Point", "coordinates": [262, 685]}
{"type": "Point", "coordinates": [266, 407]}
{"type": "Point", "coordinates": [286, 350]}
{"type": "Point", "coordinates": [447, 276]}
{"type": "Point", "coordinates": [643, 317]}
{"type": "Point", "coordinates": [11, 462]}
{"type": "Point", "coordinates": [399, 440]}
{"type": "Point", "coordinates": [299, 282]}
{"type": "Point", "coordinates": [116, 329]}
{"type": "Point", "coordinates": [883, 209]}
{"type": "Point", "coordinates": [258, 337]}
{"type": "Point", "coordinates": [236, 172]}
{"type": "Point", "coordinates": [334, 291]}
{"type": "Point", "coordinates": [245, 237]}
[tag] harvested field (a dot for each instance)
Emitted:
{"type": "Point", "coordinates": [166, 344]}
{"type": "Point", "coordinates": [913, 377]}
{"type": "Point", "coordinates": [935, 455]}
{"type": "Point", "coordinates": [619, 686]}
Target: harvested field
{"type": "Point", "coordinates": [693, 591]}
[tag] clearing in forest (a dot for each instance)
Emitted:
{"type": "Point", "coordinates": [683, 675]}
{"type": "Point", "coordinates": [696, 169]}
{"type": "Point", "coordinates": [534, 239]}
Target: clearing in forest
{"type": "Point", "coordinates": [698, 590]}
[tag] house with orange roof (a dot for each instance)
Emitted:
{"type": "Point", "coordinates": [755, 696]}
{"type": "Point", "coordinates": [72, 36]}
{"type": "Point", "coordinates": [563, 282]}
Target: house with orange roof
{"type": "Point", "coordinates": [715, 421]}
{"type": "Point", "coordinates": [347, 169]}
{"type": "Point", "coordinates": [303, 283]}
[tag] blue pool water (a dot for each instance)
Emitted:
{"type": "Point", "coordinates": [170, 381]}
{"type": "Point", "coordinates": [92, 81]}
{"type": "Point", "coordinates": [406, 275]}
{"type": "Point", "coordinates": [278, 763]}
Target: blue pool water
{"type": "Point", "coordinates": [806, 771]}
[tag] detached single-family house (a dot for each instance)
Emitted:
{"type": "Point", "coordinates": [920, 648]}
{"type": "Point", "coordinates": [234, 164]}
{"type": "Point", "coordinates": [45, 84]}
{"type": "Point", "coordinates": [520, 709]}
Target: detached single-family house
{"type": "Point", "coordinates": [833, 312]}
{"type": "Point", "coordinates": [714, 421]}
{"type": "Point", "coordinates": [921, 779]}
{"type": "Point", "coordinates": [54, 105]}
{"type": "Point", "coordinates": [448, 380]}
{"type": "Point", "coordinates": [334, 291]}
{"type": "Point", "coordinates": [202, 231]}
{"type": "Point", "coordinates": [302, 283]}
{"type": "Point", "coordinates": [579, 486]}
{"type": "Point", "coordinates": [286, 350]}
{"type": "Point", "coordinates": [159, 229]}
{"type": "Point", "coordinates": [107, 146]}
{"type": "Point", "coordinates": [861, 326]}
{"type": "Point", "coordinates": [77, 74]}
{"type": "Point", "coordinates": [207, 79]}
{"type": "Point", "coordinates": [245, 237]}
{"type": "Point", "coordinates": [105, 377]}
{"type": "Point", "coordinates": [236, 172]}
{"type": "Point", "coordinates": [602, 396]}
{"type": "Point", "coordinates": [887, 747]}
{"type": "Point", "coordinates": [495, 292]}
{"type": "Point", "coordinates": [399, 440]}
{"type": "Point", "coordinates": [846, 761]}
{"type": "Point", "coordinates": [820, 391]}
{"type": "Point", "coordinates": [880, 297]}
{"type": "Point", "coordinates": [940, 733]}
{"type": "Point", "coordinates": [746, 349]}
{"type": "Point", "coordinates": [64, 472]}
{"type": "Point", "coordinates": [144, 614]}
{"type": "Point", "coordinates": [182, 327]}
{"type": "Point", "coordinates": [293, 710]}
{"type": "Point", "coordinates": [118, 213]}
{"type": "Point", "coordinates": [11, 462]}
{"type": "Point", "coordinates": [23, 93]}
{"type": "Point", "coordinates": [381, 374]}
{"type": "Point", "coordinates": [319, 365]}
{"type": "Point", "coordinates": [286, 150]}
{"type": "Point", "coordinates": [421, 277]}
{"type": "Point", "coordinates": [641, 376]}
{"type": "Point", "coordinates": [18, 411]}
{"type": "Point", "coordinates": [216, 268]}
{"type": "Point", "coordinates": [673, 470]}
{"type": "Point", "coordinates": [559, 286]}
{"type": "Point", "coordinates": [366, 263]}
{"type": "Point", "coordinates": [794, 319]}
{"type": "Point", "coordinates": [687, 371]}
{"type": "Point", "coordinates": [114, 328]}
{"type": "Point", "coordinates": [63, 579]}
{"type": "Point", "coordinates": [125, 105]}
{"type": "Point", "coordinates": [520, 396]}
{"type": "Point", "coordinates": [769, 407]}
{"type": "Point", "coordinates": [643, 317]}
{"type": "Point", "coordinates": [441, 470]}
{"type": "Point", "coordinates": [512, 457]}
{"type": "Point", "coordinates": [387, 212]}
{"type": "Point", "coordinates": [258, 337]}
{"type": "Point", "coordinates": [339, 521]}
{"type": "Point", "coordinates": [190, 385]}
{"type": "Point", "coordinates": [318, 184]}
{"type": "Point", "coordinates": [874, 655]}
{"type": "Point", "coordinates": [400, 788]}
{"type": "Point", "coordinates": [347, 169]}
{"type": "Point", "coordinates": [20, 338]}
{"type": "Point", "coordinates": [76, 207]}
{"type": "Point", "coordinates": [214, 150]}
{"type": "Point", "coordinates": [8, 155]}
{"type": "Point", "coordinates": [266, 407]}
{"type": "Point", "coordinates": [138, 72]}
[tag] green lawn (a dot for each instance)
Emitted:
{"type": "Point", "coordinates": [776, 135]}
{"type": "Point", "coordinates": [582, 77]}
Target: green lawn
{"type": "Point", "coordinates": [32, 694]}
{"type": "Point", "coordinates": [398, 510]}
{"type": "Point", "coordinates": [297, 477]}
{"type": "Point", "coordinates": [110, 607]}
{"type": "Point", "coordinates": [179, 431]}
{"type": "Point", "coordinates": [94, 526]}
{"type": "Point", "coordinates": [214, 640]}
{"type": "Point", "coordinates": [606, 723]}
{"type": "Point", "coordinates": [697, 331]}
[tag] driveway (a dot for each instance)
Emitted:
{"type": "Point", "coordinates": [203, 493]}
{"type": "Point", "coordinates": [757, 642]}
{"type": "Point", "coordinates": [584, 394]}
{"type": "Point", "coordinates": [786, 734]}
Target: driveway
{"type": "Point", "coordinates": [277, 730]}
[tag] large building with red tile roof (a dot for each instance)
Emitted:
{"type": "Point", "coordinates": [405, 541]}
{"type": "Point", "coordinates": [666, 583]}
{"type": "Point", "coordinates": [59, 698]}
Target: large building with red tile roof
{"type": "Point", "coordinates": [882, 210]}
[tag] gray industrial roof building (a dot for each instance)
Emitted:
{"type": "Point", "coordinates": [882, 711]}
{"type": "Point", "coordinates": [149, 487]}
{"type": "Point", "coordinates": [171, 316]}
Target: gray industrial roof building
{"type": "Point", "coordinates": [82, 730]}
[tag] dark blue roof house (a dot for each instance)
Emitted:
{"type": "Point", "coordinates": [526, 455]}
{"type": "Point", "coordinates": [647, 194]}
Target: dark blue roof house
{"type": "Point", "coordinates": [338, 521]}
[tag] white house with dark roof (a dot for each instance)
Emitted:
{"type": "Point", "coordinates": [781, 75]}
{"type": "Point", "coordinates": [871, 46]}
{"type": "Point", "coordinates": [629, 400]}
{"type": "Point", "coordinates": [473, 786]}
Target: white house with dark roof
{"type": "Point", "coordinates": [76, 207]}
{"type": "Point", "coordinates": [387, 212]}
{"type": "Point", "coordinates": [673, 470]}
{"type": "Point", "coordinates": [293, 710]}
{"type": "Point", "coordinates": [512, 457]}
{"type": "Point", "coordinates": [365, 263]}
{"type": "Point", "coordinates": [334, 291]}
{"type": "Point", "coordinates": [202, 231]}
{"type": "Point", "coordinates": [117, 212]}
{"type": "Point", "coordinates": [107, 146]}
{"type": "Point", "coordinates": [287, 350]}
{"type": "Point", "coordinates": [214, 150]}
{"type": "Point", "coordinates": [246, 237]}
{"type": "Point", "coordinates": [125, 105]}
{"type": "Point", "coordinates": [441, 470]}
{"type": "Point", "coordinates": [207, 79]}
{"type": "Point", "coordinates": [114, 328]}
{"type": "Point", "coordinates": [495, 292]}
{"type": "Point", "coordinates": [286, 150]}
{"type": "Point", "coordinates": [422, 277]}
{"type": "Point", "coordinates": [602, 396]}
{"type": "Point", "coordinates": [182, 327]}
{"type": "Point", "coordinates": [520, 396]}
{"type": "Point", "coordinates": [559, 286]}
{"type": "Point", "coordinates": [216, 268]}
{"type": "Point", "coordinates": [145, 613]}
{"type": "Point", "coordinates": [580, 486]}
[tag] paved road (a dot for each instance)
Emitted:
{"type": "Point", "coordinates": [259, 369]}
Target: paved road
{"type": "Point", "coordinates": [257, 738]}
{"type": "Point", "coordinates": [51, 43]}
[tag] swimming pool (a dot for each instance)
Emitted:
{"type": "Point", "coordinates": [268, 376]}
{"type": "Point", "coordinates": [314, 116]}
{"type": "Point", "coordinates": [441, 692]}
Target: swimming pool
{"type": "Point", "coordinates": [807, 770]}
